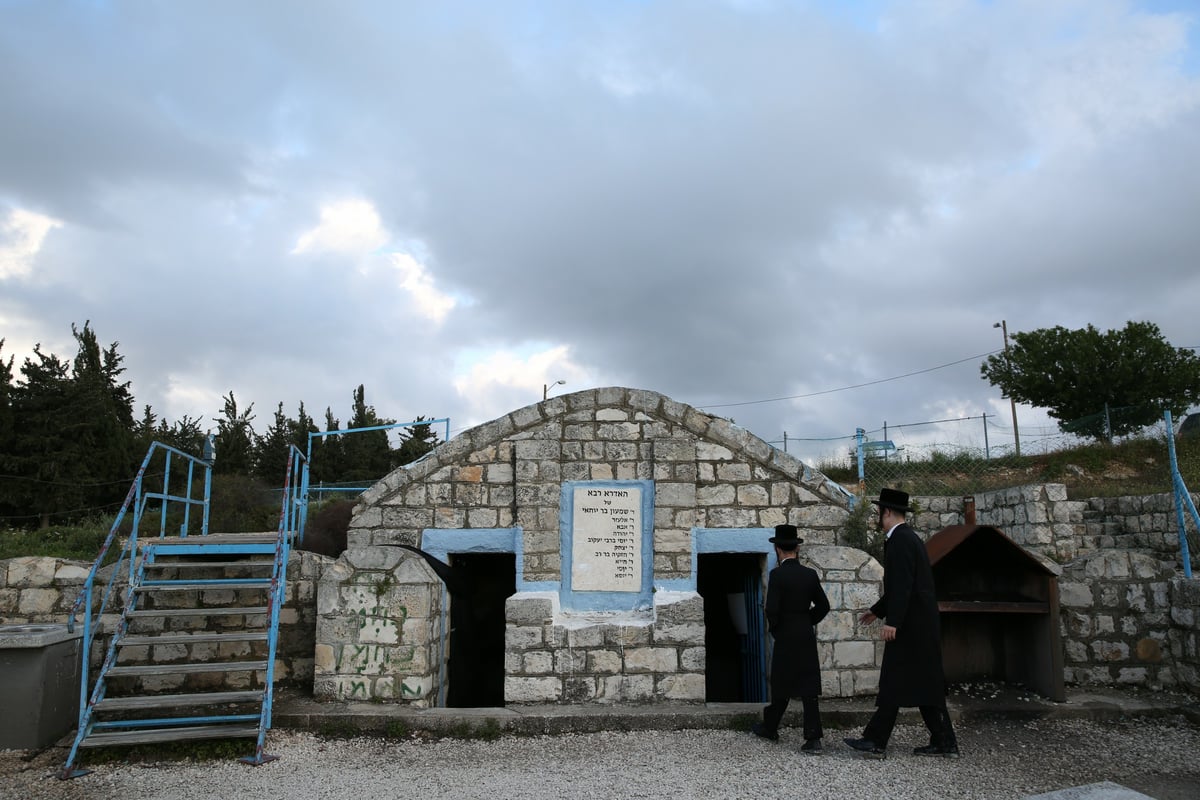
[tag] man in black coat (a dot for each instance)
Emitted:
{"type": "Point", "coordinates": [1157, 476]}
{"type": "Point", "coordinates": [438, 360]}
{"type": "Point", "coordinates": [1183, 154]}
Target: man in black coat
{"type": "Point", "coordinates": [795, 604]}
{"type": "Point", "coordinates": [911, 674]}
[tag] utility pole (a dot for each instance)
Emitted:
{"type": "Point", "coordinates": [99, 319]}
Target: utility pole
{"type": "Point", "coordinates": [1003, 325]}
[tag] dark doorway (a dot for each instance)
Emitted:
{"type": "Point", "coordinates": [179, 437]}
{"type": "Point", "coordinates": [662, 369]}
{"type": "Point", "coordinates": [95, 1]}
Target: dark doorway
{"type": "Point", "coordinates": [734, 639]}
{"type": "Point", "coordinates": [475, 673]}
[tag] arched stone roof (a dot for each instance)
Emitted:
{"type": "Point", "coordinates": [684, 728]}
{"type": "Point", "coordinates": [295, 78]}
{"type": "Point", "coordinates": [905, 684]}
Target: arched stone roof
{"type": "Point", "coordinates": [704, 426]}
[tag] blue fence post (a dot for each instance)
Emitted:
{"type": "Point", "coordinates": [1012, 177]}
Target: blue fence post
{"type": "Point", "coordinates": [1182, 497]}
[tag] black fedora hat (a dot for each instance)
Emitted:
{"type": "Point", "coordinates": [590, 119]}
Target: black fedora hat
{"type": "Point", "coordinates": [894, 499]}
{"type": "Point", "coordinates": [786, 534]}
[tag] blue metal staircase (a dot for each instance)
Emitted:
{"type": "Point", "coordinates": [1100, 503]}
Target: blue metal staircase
{"type": "Point", "coordinates": [192, 654]}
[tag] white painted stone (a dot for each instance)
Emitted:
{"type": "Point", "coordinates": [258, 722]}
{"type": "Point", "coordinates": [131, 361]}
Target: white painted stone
{"type": "Point", "coordinates": [651, 659]}
{"type": "Point", "coordinates": [532, 690]}
{"type": "Point", "coordinates": [685, 687]}
{"type": "Point", "coordinates": [853, 654]}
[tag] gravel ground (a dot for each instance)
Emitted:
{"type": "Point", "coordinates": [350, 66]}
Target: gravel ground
{"type": "Point", "coordinates": [1001, 759]}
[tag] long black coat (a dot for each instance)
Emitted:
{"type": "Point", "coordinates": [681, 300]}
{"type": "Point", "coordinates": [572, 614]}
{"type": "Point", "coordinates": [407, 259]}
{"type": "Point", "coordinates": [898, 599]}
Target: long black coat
{"type": "Point", "coordinates": [795, 603]}
{"type": "Point", "coordinates": [911, 674]}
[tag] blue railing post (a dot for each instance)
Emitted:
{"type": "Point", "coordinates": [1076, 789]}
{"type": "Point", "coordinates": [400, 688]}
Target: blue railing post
{"type": "Point", "coordinates": [859, 435]}
{"type": "Point", "coordinates": [1182, 497]}
{"type": "Point", "coordinates": [209, 457]}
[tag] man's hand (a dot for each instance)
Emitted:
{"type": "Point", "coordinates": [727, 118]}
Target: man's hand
{"type": "Point", "coordinates": [867, 618]}
{"type": "Point", "coordinates": [889, 633]}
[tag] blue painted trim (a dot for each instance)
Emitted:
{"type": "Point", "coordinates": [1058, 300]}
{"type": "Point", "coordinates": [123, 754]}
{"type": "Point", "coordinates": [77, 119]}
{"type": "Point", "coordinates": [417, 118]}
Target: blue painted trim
{"type": "Point", "coordinates": [606, 601]}
{"type": "Point", "coordinates": [730, 540]}
{"type": "Point", "coordinates": [441, 542]}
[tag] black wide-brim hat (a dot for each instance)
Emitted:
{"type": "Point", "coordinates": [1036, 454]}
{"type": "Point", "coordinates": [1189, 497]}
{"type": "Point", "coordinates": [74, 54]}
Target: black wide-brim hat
{"type": "Point", "coordinates": [786, 534]}
{"type": "Point", "coordinates": [894, 499]}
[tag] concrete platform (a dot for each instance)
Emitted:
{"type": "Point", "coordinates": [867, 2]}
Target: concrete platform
{"type": "Point", "coordinates": [292, 709]}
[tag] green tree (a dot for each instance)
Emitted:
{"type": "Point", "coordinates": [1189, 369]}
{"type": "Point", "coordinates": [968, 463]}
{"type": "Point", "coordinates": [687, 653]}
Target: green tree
{"type": "Point", "coordinates": [46, 460]}
{"type": "Point", "coordinates": [103, 409]}
{"type": "Point", "coordinates": [271, 449]}
{"type": "Point", "coordinates": [1079, 374]}
{"type": "Point", "coordinates": [367, 453]}
{"type": "Point", "coordinates": [7, 479]}
{"type": "Point", "coordinates": [415, 441]}
{"type": "Point", "coordinates": [274, 446]}
{"type": "Point", "coordinates": [68, 432]}
{"type": "Point", "coordinates": [328, 457]}
{"type": "Point", "coordinates": [185, 434]}
{"type": "Point", "coordinates": [234, 439]}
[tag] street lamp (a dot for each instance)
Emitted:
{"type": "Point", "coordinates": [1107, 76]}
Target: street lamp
{"type": "Point", "coordinates": [546, 388]}
{"type": "Point", "coordinates": [1003, 325]}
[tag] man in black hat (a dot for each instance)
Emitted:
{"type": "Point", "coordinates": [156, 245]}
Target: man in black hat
{"type": "Point", "coordinates": [795, 604]}
{"type": "Point", "coordinates": [911, 674]}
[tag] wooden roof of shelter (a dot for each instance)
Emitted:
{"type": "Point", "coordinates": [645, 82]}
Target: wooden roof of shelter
{"type": "Point", "coordinates": [945, 541]}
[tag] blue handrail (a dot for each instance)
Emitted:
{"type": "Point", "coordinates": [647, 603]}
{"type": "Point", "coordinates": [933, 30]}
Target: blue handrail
{"type": "Point", "coordinates": [292, 514]}
{"type": "Point", "coordinates": [1182, 498]}
{"type": "Point", "coordinates": [135, 502]}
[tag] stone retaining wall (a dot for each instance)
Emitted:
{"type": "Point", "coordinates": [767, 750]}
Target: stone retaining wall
{"type": "Point", "coordinates": [1041, 518]}
{"type": "Point", "coordinates": [1116, 615]}
{"type": "Point", "coordinates": [1127, 616]}
{"type": "Point", "coordinates": [43, 590]}
{"type": "Point", "coordinates": [1184, 633]}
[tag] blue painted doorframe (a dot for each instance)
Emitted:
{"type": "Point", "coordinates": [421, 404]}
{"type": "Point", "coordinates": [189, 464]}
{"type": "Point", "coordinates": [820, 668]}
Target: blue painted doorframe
{"type": "Point", "coordinates": [756, 654]}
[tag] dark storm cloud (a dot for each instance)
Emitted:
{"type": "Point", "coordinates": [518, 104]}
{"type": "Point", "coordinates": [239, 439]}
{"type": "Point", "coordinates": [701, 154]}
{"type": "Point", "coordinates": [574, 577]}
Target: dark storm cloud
{"type": "Point", "coordinates": [724, 202]}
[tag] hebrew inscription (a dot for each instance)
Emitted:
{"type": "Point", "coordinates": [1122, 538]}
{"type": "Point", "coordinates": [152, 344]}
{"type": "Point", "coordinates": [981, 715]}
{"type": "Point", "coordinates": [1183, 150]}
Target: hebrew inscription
{"type": "Point", "coordinates": [606, 540]}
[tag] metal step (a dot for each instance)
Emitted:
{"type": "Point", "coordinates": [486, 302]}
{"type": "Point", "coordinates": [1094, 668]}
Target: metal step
{"type": "Point", "coordinates": [196, 612]}
{"type": "Point", "coordinates": [194, 586]}
{"type": "Point", "coordinates": [213, 539]}
{"type": "Point", "coordinates": [150, 701]}
{"type": "Point", "coordinates": [192, 638]}
{"type": "Point", "coordinates": [266, 562]}
{"type": "Point", "coordinates": [187, 668]}
{"type": "Point", "coordinates": [170, 735]}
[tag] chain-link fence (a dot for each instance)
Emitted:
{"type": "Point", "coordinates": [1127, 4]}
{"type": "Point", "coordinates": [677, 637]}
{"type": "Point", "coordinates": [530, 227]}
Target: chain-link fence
{"type": "Point", "coordinates": [1103, 454]}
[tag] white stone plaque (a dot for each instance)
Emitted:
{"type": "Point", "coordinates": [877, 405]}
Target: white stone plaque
{"type": "Point", "coordinates": [606, 539]}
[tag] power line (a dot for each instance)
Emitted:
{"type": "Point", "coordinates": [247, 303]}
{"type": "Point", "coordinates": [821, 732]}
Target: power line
{"type": "Point", "coordinates": [854, 386]}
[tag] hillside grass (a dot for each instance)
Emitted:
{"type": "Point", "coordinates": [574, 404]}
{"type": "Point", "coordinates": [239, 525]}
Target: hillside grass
{"type": "Point", "coordinates": [1135, 466]}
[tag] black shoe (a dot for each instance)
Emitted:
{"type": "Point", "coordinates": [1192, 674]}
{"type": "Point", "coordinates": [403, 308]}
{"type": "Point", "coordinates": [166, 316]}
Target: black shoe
{"type": "Point", "coordinates": [758, 729]}
{"type": "Point", "coordinates": [811, 746]}
{"type": "Point", "coordinates": [867, 748]}
{"type": "Point", "coordinates": [950, 751]}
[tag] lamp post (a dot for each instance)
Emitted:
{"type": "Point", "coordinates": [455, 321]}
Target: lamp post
{"type": "Point", "coordinates": [1003, 326]}
{"type": "Point", "coordinates": [546, 389]}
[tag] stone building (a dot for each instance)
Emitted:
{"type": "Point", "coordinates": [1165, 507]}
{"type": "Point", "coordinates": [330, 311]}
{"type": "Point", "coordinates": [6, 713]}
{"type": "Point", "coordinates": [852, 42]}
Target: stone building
{"type": "Point", "coordinates": [609, 546]}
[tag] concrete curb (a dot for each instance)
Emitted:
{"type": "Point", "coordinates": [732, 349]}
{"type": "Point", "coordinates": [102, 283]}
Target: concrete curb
{"type": "Point", "coordinates": [296, 711]}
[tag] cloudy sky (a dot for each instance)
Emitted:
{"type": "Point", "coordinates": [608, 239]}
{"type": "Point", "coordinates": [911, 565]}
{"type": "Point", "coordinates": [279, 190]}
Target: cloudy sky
{"type": "Point", "coordinates": [806, 215]}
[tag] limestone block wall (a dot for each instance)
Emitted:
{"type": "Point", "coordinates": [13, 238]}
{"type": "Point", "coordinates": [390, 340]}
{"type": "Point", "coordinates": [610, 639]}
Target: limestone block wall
{"type": "Point", "coordinates": [707, 473]}
{"type": "Point", "coordinates": [604, 658]}
{"type": "Point", "coordinates": [1039, 517]}
{"type": "Point", "coordinates": [1184, 635]}
{"type": "Point", "coordinates": [1140, 522]}
{"type": "Point", "coordinates": [379, 628]}
{"type": "Point", "coordinates": [43, 590]}
{"type": "Point", "coordinates": [1042, 519]}
{"type": "Point", "coordinates": [1117, 620]}
{"type": "Point", "coordinates": [850, 654]}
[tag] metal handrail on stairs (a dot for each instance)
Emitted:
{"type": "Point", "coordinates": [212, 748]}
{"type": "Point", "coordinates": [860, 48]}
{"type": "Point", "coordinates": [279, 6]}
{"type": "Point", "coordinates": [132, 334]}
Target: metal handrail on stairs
{"type": "Point", "coordinates": [135, 501]}
{"type": "Point", "coordinates": [291, 524]}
